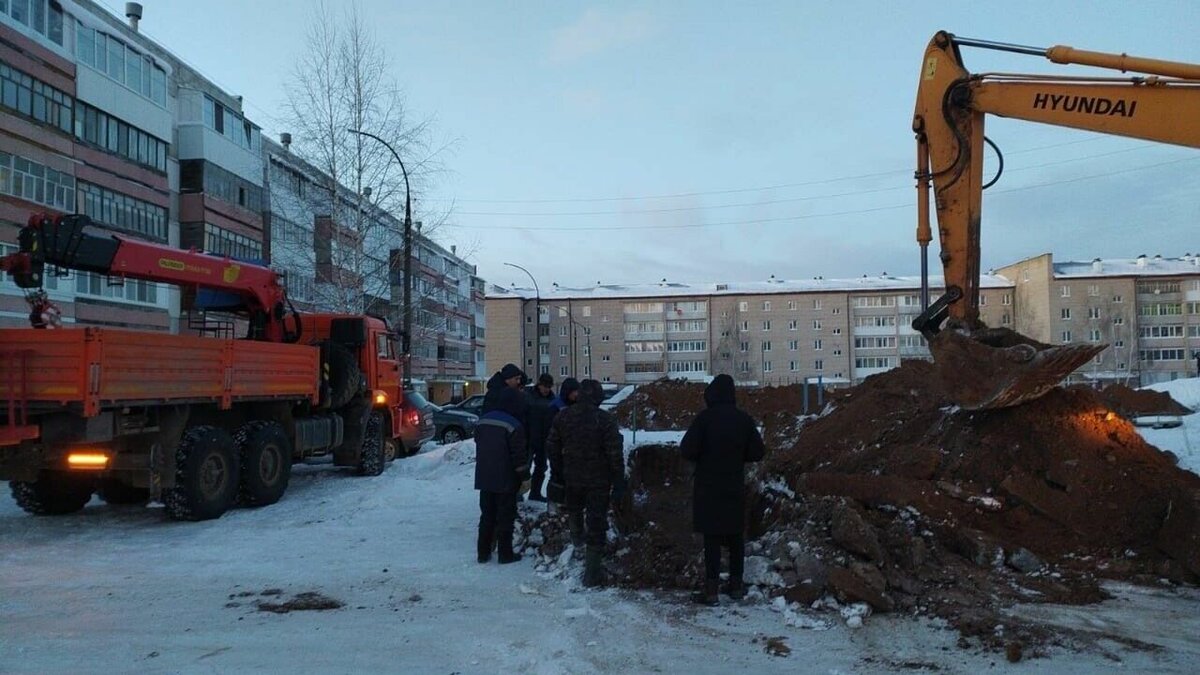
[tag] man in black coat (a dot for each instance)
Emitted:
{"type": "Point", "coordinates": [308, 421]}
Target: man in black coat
{"type": "Point", "coordinates": [510, 376]}
{"type": "Point", "coordinates": [721, 440]}
{"type": "Point", "coordinates": [501, 466]}
{"type": "Point", "coordinates": [585, 444]}
{"type": "Point", "coordinates": [540, 414]}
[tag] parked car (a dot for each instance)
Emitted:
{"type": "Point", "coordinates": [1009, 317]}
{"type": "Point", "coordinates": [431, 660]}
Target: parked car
{"type": "Point", "coordinates": [416, 424]}
{"type": "Point", "coordinates": [473, 405]}
{"type": "Point", "coordinates": [452, 425]}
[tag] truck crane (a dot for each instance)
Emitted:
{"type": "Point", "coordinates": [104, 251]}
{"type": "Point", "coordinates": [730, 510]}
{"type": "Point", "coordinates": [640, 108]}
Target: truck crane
{"type": "Point", "coordinates": [198, 422]}
{"type": "Point", "coordinates": [981, 367]}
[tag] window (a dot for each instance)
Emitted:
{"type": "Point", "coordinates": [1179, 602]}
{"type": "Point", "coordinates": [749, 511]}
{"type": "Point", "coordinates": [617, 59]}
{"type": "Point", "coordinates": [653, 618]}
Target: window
{"type": "Point", "coordinates": [643, 308]}
{"type": "Point", "coordinates": [793, 345]}
{"type": "Point", "coordinates": [744, 346]}
{"type": "Point", "coordinates": [1160, 332]}
{"type": "Point", "coordinates": [688, 326]}
{"type": "Point", "coordinates": [220, 241]}
{"type": "Point", "coordinates": [116, 137]}
{"type": "Point", "coordinates": [910, 341]}
{"type": "Point", "coordinates": [1121, 366]}
{"type": "Point", "coordinates": [819, 364]}
{"type": "Point", "coordinates": [687, 366]}
{"type": "Point", "coordinates": [1064, 291]}
{"type": "Point", "coordinates": [1005, 319]}
{"type": "Point", "coordinates": [793, 366]}
{"type": "Point", "coordinates": [817, 345]}
{"type": "Point", "coordinates": [98, 286]}
{"type": "Point", "coordinates": [562, 312]}
{"type": "Point", "coordinates": [1066, 336]}
{"type": "Point", "coordinates": [1118, 299]}
{"type": "Point", "coordinates": [562, 350]}
{"type": "Point", "coordinates": [1119, 321]}
{"type": "Point", "coordinates": [793, 324]}
{"type": "Point", "coordinates": [563, 371]}
{"type": "Point", "coordinates": [744, 366]}
{"type": "Point", "coordinates": [1093, 312]}
{"type": "Point", "coordinates": [604, 338]}
{"type": "Point", "coordinates": [836, 311]}
{"type": "Point", "coordinates": [1065, 313]}
{"type": "Point", "coordinates": [767, 367]}
{"type": "Point", "coordinates": [745, 326]}
{"type": "Point", "coordinates": [816, 303]}
{"type": "Point", "coordinates": [873, 362]}
{"type": "Point", "coordinates": [529, 344]}
{"type": "Point", "coordinates": [837, 331]}
{"type": "Point", "coordinates": [1093, 290]}
{"type": "Point", "coordinates": [34, 99]}
{"type": "Point", "coordinates": [122, 212]}
{"type": "Point", "coordinates": [766, 345]}
{"type": "Point", "coordinates": [544, 350]}
{"type": "Point", "coordinates": [1157, 287]}
{"type": "Point", "coordinates": [743, 306]}
{"type": "Point", "coordinates": [875, 322]}
{"type": "Point", "coordinates": [816, 324]}
{"type": "Point", "coordinates": [766, 305]}
{"type": "Point", "coordinates": [587, 311]}
{"type": "Point", "coordinates": [791, 305]}
{"type": "Point", "coordinates": [982, 300]}
{"type": "Point", "coordinates": [650, 347]}
{"type": "Point", "coordinates": [231, 125]}
{"type": "Point", "coordinates": [197, 175]}
{"type": "Point", "coordinates": [885, 342]}
{"type": "Point", "coordinates": [112, 57]}
{"type": "Point", "coordinates": [643, 368]}
{"type": "Point", "coordinates": [688, 306]}
{"type": "Point", "coordinates": [766, 325]}
{"type": "Point", "coordinates": [1161, 309]}
{"type": "Point", "coordinates": [562, 331]}
{"type": "Point", "coordinates": [34, 182]}
{"type": "Point", "coordinates": [687, 346]}
{"type": "Point", "coordinates": [606, 358]}
{"type": "Point", "coordinates": [875, 301]}
{"type": "Point", "coordinates": [1006, 299]}
{"type": "Point", "coordinates": [837, 351]}
{"type": "Point", "coordinates": [41, 15]}
{"type": "Point", "coordinates": [1093, 335]}
{"type": "Point", "coordinates": [1152, 355]}
{"type": "Point", "coordinates": [643, 327]}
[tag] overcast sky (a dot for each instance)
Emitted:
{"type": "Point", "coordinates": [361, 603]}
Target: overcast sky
{"type": "Point", "coordinates": [793, 114]}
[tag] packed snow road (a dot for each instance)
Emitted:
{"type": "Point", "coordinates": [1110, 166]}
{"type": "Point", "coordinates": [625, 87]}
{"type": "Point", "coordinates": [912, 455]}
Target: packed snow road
{"type": "Point", "coordinates": [118, 589]}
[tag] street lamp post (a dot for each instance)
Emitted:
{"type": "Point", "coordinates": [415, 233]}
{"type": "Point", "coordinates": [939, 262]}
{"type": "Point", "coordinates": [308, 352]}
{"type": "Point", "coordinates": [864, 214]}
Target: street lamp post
{"type": "Point", "coordinates": [537, 311]}
{"type": "Point", "coordinates": [406, 334]}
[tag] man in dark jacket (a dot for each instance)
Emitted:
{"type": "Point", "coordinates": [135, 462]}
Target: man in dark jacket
{"type": "Point", "coordinates": [585, 444]}
{"type": "Point", "coordinates": [540, 414]}
{"type": "Point", "coordinates": [721, 440]}
{"type": "Point", "coordinates": [510, 376]}
{"type": "Point", "coordinates": [568, 393]}
{"type": "Point", "coordinates": [501, 466]}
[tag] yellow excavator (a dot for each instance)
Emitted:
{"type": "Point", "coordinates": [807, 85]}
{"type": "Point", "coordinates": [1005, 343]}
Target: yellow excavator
{"type": "Point", "coordinates": [984, 368]}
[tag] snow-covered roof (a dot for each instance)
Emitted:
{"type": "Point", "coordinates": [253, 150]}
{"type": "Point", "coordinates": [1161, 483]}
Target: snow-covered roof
{"type": "Point", "coordinates": [1141, 266]}
{"type": "Point", "coordinates": [665, 289]}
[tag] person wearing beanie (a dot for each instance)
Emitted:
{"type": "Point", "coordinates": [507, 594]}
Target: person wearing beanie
{"type": "Point", "coordinates": [539, 397]}
{"type": "Point", "coordinates": [510, 376]}
{"type": "Point", "coordinates": [501, 467]}
{"type": "Point", "coordinates": [568, 393]}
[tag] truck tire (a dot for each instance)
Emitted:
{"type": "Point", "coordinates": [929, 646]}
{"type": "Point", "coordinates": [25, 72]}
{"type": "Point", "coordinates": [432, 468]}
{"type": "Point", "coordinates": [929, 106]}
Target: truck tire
{"type": "Point", "coordinates": [54, 493]}
{"type": "Point", "coordinates": [266, 457]}
{"type": "Point", "coordinates": [344, 375]}
{"type": "Point", "coordinates": [206, 475]}
{"type": "Point", "coordinates": [116, 493]}
{"type": "Point", "coordinates": [371, 459]}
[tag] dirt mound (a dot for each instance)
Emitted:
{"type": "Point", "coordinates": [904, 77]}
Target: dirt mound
{"type": "Point", "coordinates": [1131, 403]}
{"type": "Point", "coordinates": [894, 498]}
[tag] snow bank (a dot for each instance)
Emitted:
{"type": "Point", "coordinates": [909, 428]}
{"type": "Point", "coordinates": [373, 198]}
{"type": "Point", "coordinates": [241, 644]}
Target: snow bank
{"type": "Point", "coordinates": [1186, 391]}
{"type": "Point", "coordinates": [1184, 441]}
{"type": "Point", "coordinates": [435, 461]}
{"type": "Point", "coordinates": [636, 439]}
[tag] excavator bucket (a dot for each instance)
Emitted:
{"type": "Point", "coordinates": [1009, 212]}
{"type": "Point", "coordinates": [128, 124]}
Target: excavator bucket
{"type": "Point", "coordinates": [998, 368]}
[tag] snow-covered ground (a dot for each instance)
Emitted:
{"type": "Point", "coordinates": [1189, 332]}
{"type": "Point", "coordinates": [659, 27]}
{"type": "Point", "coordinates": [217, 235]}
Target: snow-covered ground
{"type": "Point", "coordinates": [124, 590]}
{"type": "Point", "coordinates": [1183, 440]}
{"type": "Point", "coordinates": [1186, 391]}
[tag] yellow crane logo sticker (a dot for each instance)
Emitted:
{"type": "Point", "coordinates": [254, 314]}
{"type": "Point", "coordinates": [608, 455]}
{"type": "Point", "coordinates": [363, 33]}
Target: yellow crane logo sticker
{"type": "Point", "coordinates": [232, 273]}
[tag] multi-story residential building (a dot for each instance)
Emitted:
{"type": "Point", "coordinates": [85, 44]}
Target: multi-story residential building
{"type": "Point", "coordinates": [86, 121]}
{"type": "Point", "coordinates": [1147, 310]}
{"type": "Point", "coordinates": [772, 332]}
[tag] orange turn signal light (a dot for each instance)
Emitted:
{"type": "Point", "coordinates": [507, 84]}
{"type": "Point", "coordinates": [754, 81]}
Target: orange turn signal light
{"type": "Point", "coordinates": [380, 398]}
{"type": "Point", "coordinates": [87, 460]}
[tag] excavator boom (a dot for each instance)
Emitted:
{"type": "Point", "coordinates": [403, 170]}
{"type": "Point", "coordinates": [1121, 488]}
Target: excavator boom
{"type": "Point", "coordinates": [992, 368]}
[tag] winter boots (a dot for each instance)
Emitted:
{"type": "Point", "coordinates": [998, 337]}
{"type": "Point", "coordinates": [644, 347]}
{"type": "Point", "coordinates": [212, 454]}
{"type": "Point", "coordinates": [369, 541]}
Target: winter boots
{"type": "Point", "coordinates": [505, 549]}
{"type": "Point", "coordinates": [535, 488]}
{"type": "Point", "coordinates": [483, 546]}
{"type": "Point", "coordinates": [735, 589]}
{"type": "Point", "coordinates": [708, 596]}
{"type": "Point", "coordinates": [593, 567]}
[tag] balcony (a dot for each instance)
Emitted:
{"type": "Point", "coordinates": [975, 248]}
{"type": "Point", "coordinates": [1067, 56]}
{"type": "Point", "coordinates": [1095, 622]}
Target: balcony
{"type": "Point", "coordinates": [643, 357]}
{"type": "Point", "coordinates": [874, 330]}
{"type": "Point", "coordinates": [643, 377]}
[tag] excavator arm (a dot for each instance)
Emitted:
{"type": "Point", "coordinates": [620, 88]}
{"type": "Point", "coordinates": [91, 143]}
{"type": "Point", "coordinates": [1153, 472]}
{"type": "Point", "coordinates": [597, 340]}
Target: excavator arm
{"type": "Point", "coordinates": [69, 242]}
{"type": "Point", "coordinates": [1162, 104]}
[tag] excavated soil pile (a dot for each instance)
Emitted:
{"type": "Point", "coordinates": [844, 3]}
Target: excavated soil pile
{"type": "Point", "coordinates": [1131, 403]}
{"type": "Point", "coordinates": [897, 499]}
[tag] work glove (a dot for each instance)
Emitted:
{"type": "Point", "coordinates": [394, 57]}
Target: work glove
{"type": "Point", "coordinates": [619, 487]}
{"type": "Point", "coordinates": [556, 492]}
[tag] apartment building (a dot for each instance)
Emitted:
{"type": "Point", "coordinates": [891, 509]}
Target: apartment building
{"type": "Point", "coordinates": [86, 121]}
{"type": "Point", "coordinates": [1147, 310]}
{"type": "Point", "coordinates": [772, 332]}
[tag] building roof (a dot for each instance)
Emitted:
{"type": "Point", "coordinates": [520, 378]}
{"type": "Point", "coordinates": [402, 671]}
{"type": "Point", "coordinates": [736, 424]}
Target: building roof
{"type": "Point", "coordinates": [666, 289]}
{"type": "Point", "coordinates": [1141, 266]}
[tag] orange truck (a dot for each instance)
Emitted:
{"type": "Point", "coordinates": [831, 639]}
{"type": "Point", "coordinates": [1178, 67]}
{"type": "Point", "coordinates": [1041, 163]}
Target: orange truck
{"type": "Point", "coordinates": [199, 422]}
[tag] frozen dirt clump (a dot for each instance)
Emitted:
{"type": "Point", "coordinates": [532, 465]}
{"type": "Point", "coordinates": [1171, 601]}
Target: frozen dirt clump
{"type": "Point", "coordinates": [309, 601]}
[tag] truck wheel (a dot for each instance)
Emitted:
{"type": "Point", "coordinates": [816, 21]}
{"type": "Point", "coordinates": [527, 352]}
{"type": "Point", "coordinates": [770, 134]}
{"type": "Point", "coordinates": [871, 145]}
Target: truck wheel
{"type": "Point", "coordinates": [54, 493]}
{"type": "Point", "coordinates": [371, 457]}
{"type": "Point", "coordinates": [206, 475]}
{"type": "Point", "coordinates": [344, 375]}
{"type": "Point", "coordinates": [266, 462]}
{"type": "Point", "coordinates": [116, 493]}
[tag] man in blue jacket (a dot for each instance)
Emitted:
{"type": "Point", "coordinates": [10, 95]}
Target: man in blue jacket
{"type": "Point", "coordinates": [501, 469]}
